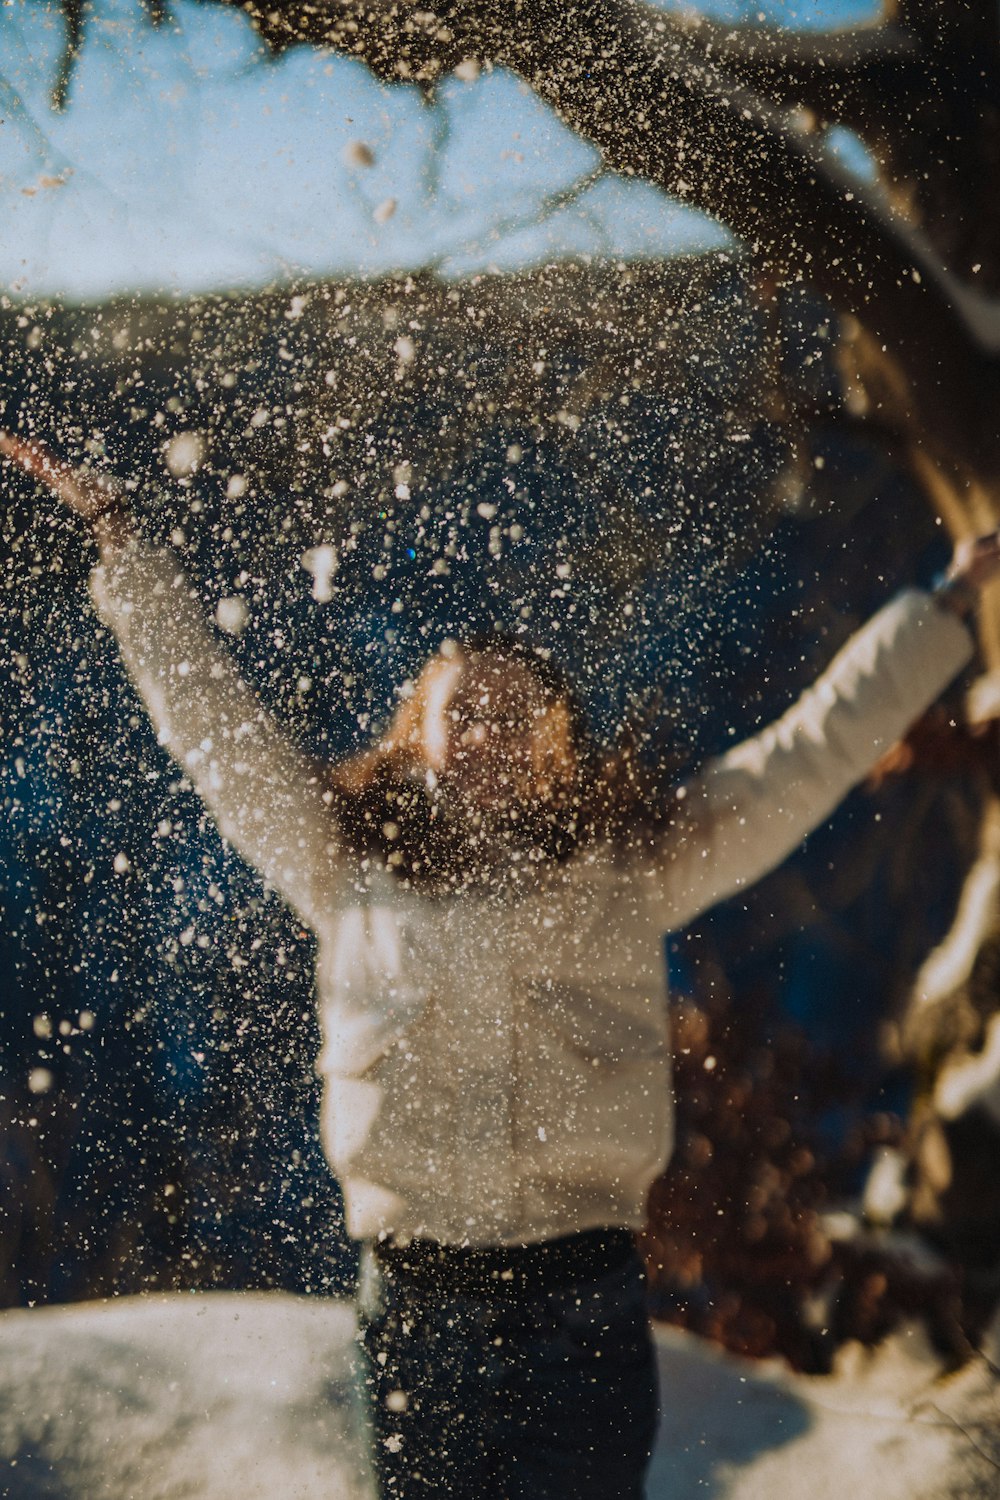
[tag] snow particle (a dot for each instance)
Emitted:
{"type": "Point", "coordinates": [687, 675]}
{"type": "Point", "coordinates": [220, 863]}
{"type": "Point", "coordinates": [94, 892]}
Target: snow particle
{"type": "Point", "coordinates": [358, 154]}
{"type": "Point", "coordinates": [385, 210]}
{"type": "Point", "coordinates": [322, 562]}
{"type": "Point", "coordinates": [231, 614]}
{"type": "Point", "coordinates": [184, 453]}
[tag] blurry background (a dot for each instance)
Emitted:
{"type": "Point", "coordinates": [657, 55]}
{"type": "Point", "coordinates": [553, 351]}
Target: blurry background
{"type": "Point", "coordinates": [388, 362]}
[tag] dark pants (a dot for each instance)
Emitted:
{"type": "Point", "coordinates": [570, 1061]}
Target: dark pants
{"type": "Point", "coordinates": [513, 1389]}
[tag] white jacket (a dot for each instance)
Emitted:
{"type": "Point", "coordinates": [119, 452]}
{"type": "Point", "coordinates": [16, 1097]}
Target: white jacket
{"type": "Point", "coordinates": [497, 1071]}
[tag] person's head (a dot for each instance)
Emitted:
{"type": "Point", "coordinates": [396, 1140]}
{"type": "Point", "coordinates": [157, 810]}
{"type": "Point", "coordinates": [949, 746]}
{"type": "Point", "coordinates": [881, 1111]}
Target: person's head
{"type": "Point", "coordinates": [494, 729]}
{"type": "Point", "coordinates": [487, 765]}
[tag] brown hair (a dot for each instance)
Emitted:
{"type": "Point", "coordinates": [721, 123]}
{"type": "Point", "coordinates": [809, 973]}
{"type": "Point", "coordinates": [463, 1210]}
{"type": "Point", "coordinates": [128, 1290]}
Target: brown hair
{"type": "Point", "coordinates": [387, 808]}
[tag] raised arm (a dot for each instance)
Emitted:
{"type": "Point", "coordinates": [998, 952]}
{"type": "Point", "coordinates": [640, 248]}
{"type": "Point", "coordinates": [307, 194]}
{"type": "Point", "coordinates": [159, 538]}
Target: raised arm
{"type": "Point", "coordinates": [752, 806]}
{"type": "Point", "coordinates": [267, 798]}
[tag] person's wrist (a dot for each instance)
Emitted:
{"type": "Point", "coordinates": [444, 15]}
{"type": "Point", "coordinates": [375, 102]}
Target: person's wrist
{"type": "Point", "coordinates": [112, 526]}
{"type": "Point", "coordinates": [954, 593]}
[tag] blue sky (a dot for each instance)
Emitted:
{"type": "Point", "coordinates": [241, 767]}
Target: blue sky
{"type": "Point", "coordinates": [186, 163]}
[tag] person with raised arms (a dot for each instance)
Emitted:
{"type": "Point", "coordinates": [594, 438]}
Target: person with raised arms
{"type": "Point", "coordinates": [489, 896]}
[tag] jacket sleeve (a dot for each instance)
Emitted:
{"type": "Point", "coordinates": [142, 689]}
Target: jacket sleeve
{"type": "Point", "coordinates": [266, 797]}
{"type": "Point", "coordinates": [752, 806]}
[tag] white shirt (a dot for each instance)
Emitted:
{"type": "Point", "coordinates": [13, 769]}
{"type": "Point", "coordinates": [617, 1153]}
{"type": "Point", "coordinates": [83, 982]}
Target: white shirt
{"type": "Point", "coordinates": [497, 1070]}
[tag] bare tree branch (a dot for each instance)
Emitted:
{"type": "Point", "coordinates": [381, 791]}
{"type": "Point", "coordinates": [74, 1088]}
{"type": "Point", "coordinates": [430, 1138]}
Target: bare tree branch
{"type": "Point", "coordinates": [921, 89]}
{"type": "Point", "coordinates": [608, 69]}
{"type": "Point", "coordinates": [697, 135]}
{"type": "Point", "coordinates": [73, 16]}
{"type": "Point", "coordinates": [850, 76]}
{"type": "Point", "coordinates": [727, 152]}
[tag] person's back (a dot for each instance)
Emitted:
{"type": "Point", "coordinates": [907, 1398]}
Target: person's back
{"type": "Point", "coordinates": [492, 994]}
{"type": "Point", "coordinates": [496, 1067]}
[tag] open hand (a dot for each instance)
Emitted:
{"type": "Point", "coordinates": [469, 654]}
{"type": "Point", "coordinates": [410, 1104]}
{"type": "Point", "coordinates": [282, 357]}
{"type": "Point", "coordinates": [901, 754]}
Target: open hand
{"type": "Point", "coordinates": [87, 493]}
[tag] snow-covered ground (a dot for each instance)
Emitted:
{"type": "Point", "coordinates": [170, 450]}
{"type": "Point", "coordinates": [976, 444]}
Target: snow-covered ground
{"type": "Point", "coordinates": [239, 1396]}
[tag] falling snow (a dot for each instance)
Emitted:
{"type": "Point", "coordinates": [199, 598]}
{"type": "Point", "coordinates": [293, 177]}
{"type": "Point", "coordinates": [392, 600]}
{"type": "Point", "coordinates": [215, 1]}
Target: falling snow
{"type": "Point", "coordinates": [304, 941]}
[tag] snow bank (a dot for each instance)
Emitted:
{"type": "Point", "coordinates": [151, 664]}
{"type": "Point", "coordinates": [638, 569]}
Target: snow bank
{"type": "Point", "coordinates": [239, 1396]}
{"type": "Point", "coordinates": [219, 1397]}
